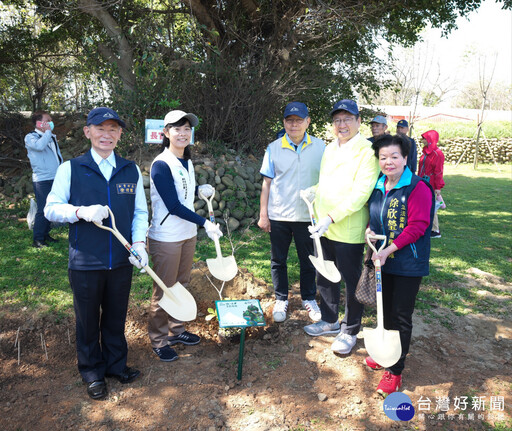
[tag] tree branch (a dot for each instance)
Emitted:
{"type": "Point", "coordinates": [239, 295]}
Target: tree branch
{"type": "Point", "coordinates": [124, 57]}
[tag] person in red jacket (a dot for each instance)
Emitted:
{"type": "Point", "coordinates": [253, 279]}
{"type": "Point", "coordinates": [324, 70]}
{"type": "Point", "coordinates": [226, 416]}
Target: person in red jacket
{"type": "Point", "coordinates": [430, 169]}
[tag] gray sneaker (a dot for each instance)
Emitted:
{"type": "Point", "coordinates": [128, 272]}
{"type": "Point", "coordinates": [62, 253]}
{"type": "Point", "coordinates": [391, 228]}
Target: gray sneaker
{"type": "Point", "coordinates": [322, 328]}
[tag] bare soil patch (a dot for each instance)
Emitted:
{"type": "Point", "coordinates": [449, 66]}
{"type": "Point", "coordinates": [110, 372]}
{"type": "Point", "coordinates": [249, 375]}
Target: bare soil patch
{"type": "Point", "coordinates": [290, 381]}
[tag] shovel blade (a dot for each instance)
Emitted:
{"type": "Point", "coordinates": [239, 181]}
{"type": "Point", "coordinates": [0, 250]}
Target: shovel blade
{"type": "Point", "coordinates": [179, 303]}
{"type": "Point", "coordinates": [383, 345]}
{"type": "Point", "coordinates": [223, 268]}
{"type": "Point", "coordinates": [326, 268]}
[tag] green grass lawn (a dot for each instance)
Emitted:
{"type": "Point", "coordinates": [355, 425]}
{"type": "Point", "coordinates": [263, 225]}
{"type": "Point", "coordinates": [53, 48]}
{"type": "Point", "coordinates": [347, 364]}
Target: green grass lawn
{"type": "Point", "coordinates": [476, 233]}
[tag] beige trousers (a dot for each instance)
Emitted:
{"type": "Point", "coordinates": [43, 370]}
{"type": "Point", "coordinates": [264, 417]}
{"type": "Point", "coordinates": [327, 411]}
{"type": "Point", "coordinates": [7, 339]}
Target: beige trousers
{"type": "Point", "coordinates": [435, 223]}
{"type": "Point", "coordinates": [172, 262]}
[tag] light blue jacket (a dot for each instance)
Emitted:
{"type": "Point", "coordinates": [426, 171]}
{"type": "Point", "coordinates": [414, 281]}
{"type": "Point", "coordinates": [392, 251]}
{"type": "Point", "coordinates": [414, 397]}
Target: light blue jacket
{"type": "Point", "coordinates": [44, 154]}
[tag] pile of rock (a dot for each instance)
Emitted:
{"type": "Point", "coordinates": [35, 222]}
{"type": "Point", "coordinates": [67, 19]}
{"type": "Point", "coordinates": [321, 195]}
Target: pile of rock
{"type": "Point", "coordinates": [454, 148]}
{"type": "Point", "coordinates": [237, 189]}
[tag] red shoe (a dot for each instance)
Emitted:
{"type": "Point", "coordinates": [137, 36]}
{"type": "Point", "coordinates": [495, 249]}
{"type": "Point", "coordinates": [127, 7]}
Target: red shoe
{"type": "Point", "coordinates": [389, 384]}
{"type": "Point", "coordinates": [372, 364]}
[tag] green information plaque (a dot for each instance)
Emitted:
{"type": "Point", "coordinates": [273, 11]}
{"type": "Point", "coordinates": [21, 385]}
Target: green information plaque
{"type": "Point", "coordinates": [242, 313]}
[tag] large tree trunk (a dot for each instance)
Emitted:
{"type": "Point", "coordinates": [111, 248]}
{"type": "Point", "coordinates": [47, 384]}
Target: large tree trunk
{"type": "Point", "coordinates": [124, 58]}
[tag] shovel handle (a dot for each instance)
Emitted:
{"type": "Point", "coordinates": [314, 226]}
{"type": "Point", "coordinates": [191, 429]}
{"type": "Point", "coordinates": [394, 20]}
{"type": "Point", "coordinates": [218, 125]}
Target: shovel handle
{"type": "Point", "coordinates": [209, 204]}
{"type": "Point", "coordinates": [129, 247]}
{"type": "Point", "coordinates": [378, 278]}
{"type": "Point", "coordinates": [310, 206]}
{"type": "Point", "coordinates": [315, 236]}
{"type": "Point", "coordinates": [212, 219]}
{"type": "Point", "coordinates": [379, 238]}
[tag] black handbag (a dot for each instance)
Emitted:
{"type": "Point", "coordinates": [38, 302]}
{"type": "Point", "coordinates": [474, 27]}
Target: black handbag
{"type": "Point", "coordinates": [366, 286]}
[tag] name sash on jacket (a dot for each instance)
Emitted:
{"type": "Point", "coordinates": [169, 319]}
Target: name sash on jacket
{"type": "Point", "coordinates": [389, 215]}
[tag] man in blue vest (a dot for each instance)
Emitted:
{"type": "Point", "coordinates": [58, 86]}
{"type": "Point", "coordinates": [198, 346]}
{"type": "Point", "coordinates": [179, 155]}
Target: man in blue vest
{"type": "Point", "coordinates": [99, 272]}
{"type": "Point", "coordinates": [45, 157]}
{"type": "Point", "coordinates": [291, 164]}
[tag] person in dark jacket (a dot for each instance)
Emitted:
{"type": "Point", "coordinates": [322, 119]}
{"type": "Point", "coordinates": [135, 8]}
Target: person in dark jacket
{"type": "Point", "coordinates": [379, 126]}
{"type": "Point", "coordinates": [412, 159]}
{"type": "Point", "coordinates": [401, 208]}
{"type": "Point", "coordinates": [99, 271]}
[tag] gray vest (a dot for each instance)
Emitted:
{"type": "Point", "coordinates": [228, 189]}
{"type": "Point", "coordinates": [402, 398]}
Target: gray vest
{"type": "Point", "coordinates": [293, 172]}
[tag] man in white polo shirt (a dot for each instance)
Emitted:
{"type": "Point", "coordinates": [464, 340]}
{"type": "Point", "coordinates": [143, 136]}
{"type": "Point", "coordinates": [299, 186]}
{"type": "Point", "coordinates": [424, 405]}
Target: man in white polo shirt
{"type": "Point", "coordinates": [291, 164]}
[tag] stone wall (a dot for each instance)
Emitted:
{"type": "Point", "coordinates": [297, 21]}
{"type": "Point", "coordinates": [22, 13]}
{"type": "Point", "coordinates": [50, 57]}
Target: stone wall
{"type": "Point", "coordinates": [454, 148]}
{"type": "Point", "coordinates": [237, 189]}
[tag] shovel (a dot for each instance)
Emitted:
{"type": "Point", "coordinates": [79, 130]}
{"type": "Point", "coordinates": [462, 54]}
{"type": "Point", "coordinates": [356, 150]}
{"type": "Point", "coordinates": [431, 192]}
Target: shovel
{"type": "Point", "coordinates": [324, 267]}
{"type": "Point", "coordinates": [383, 345]}
{"type": "Point", "coordinates": [176, 300]}
{"type": "Point", "coordinates": [222, 268]}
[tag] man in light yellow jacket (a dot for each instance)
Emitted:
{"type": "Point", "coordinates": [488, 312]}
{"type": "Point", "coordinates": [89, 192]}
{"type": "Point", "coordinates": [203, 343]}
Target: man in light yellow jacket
{"type": "Point", "coordinates": [348, 174]}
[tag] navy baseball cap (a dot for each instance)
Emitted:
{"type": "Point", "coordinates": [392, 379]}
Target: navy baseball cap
{"type": "Point", "coordinates": [380, 119]}
{"type": "Point", "coordinates": [345, 105]}
{"type": "Point", "coordinates": [402, 123]}
{"type": "Point", "coordinates": [296, 108]}
{"type": "Point", "coordinates": [99, 115]}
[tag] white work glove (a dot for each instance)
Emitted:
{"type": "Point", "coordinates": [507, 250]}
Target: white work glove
{"type": "Point", "coordinates": [308, 193]}
{"type": "Point", "coordinates": [94, 213]}
{"type": "Point", "coordinates": [206, 190]}
{"type": "Point", "coordinates": [321, 227]}
{"type": "Point", "coordinates": [212, 230]}
{"type": "Point", "coordinates": [140, 249]}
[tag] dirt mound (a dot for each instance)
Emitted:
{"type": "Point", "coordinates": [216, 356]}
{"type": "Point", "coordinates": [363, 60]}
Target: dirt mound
{"type": "Point", "coordinates": [243, 286]}
{"type": "Point", "coordinates": [290, 381]}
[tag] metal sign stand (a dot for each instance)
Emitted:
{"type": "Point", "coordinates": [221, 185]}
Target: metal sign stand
{"type": "Point", "coordinates": [241, 355]}
{"type": "Point", "coordinates": [241, 314]}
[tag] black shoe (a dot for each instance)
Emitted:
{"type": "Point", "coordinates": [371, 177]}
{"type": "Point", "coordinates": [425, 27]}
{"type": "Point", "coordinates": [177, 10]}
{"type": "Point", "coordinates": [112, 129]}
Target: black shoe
{"type": "Point", "coordinates": [39, 244]}
{"type": "Point", "coordinates": [434, 234]}
{"type": "Point", "coordinates": [166, 354]}
{"type": "Point", "coordinates": [184, 338]}
{"type": "Point", "coordinates": [48, 238]}
{"type": "Point", "coordinates": [127, 376]}
{"type": "Point", "coordinates": [97, 389]}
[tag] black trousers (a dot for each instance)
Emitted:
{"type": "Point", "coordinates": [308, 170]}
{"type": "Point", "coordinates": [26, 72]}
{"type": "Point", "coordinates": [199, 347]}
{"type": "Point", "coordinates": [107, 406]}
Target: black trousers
{"type": "Point", "coordinates": [398, 299]}
{"type": "Point", "coordinates": [100, 299]}
{"type": "Point", "coordinates": [42, 225]}
{"type": "Point", "coordinates": [281, 234]}
{"type": "Point", "coordinates": [348, 258]}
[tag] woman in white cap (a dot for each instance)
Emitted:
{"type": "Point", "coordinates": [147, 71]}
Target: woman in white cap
{"type": "Point", "coordinates": [173, 231]}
